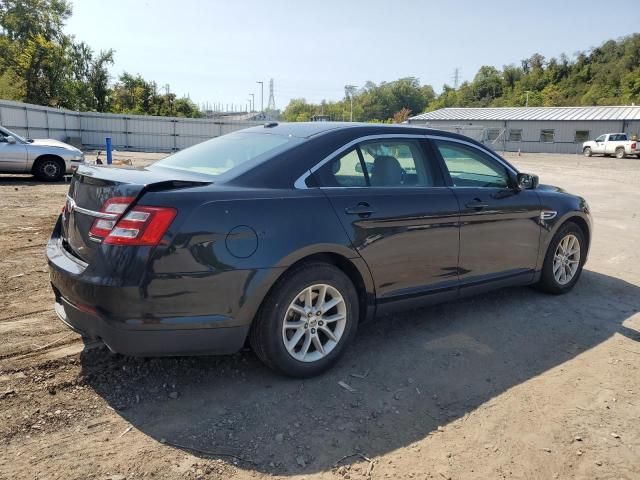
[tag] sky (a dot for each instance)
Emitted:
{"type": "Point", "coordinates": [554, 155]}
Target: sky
{"type": "Point", "coordinates": [215, 51]}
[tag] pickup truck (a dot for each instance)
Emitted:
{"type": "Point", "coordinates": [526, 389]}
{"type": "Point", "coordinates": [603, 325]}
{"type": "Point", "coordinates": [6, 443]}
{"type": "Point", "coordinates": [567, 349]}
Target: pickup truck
{"type": "Point", "coordinates": [611, 144]}
{"type": "Point", "coordinates": [49, 160]}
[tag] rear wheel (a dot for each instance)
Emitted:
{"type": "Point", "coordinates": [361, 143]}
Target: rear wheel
{"type": "Point", "coordinates": [49, 169]}
{"type": "Point", "coordinates": [620, 152]}
{"type": "Point", "coordinates": [307, 321]}
{"type": "Point", "coordinates": [564, 260]}
{"type": "Point", "coordinates": [587, 152]}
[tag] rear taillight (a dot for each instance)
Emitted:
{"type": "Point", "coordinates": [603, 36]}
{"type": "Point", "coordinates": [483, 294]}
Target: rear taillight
{"type": "Point", "coordinates": [633, 146]}
{"type": "Point", "coordinates": [141, 226]}
{"type": "Point", "coordinates": [114, 207]}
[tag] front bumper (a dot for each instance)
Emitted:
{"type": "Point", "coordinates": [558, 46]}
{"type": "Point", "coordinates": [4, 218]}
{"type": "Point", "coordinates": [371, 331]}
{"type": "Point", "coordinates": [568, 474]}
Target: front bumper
{"type": "Point", "coordinates": [73, 165]}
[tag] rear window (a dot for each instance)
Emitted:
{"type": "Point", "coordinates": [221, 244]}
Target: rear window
{"type": "Point", "coordinates": [221, 154]}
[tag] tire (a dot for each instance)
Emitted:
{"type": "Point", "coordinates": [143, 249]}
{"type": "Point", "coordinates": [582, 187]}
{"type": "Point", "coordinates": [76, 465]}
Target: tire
{"type": "Point", "coordinates": [587, 152]}
{"type": "Point", "coordinates": [49, 169]}
{"type": "Point", "coordinates": [552, 282]}
{"type": "Point", "coordinates": [268, 335]}
{"type": "Point", "coordinates": [620, 153]}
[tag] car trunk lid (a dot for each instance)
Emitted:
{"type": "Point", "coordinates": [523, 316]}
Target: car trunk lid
{"type": "Point", "coordinates": [93, 188]}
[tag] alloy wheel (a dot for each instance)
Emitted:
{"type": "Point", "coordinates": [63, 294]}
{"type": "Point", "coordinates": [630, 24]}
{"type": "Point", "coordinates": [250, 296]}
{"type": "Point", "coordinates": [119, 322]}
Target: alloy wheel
{"type": "Point", "coordinates": [566, 259]}
{"type": "Point", "coordinates": [314, 323]}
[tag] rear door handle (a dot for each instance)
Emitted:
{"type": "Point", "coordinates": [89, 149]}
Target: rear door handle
{"type": "Point", "coordinates": [476, 204]}
{"type": "Point", "coordinates": [363, 209]}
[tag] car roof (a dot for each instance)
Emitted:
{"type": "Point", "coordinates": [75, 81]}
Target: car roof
{"type": "Point", "coordinates": [310, 129]}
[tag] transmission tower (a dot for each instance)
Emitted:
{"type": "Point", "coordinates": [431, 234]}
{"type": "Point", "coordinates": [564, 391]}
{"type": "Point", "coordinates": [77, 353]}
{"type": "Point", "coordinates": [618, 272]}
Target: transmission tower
{"type": "Point", "coordinates": [271, 104]}
{"type": "Point", "coordinates": [456, 78]}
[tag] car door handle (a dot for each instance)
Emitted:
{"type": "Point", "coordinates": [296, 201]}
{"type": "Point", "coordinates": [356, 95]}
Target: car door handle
{"type": "Point", "coordinates": [477, 204]}
{"type": "Point", "coordinates": [363, 209]}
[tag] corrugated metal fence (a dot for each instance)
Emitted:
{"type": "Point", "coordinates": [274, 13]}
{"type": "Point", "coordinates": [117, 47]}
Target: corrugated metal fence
{"type": "Point", "coordinates": [128, 132]}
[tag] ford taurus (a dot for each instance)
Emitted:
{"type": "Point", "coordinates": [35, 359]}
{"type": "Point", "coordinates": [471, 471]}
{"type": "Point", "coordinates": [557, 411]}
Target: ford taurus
{"type": "Point", "coordinates": [288, 237]}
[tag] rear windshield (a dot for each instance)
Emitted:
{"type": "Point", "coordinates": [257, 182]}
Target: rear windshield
{"type": "Point", "coordinates": [221, 154]}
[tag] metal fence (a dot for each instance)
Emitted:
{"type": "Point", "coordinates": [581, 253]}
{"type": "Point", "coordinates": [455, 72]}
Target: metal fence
{"type": "Point", "coordinates": [128, 132]}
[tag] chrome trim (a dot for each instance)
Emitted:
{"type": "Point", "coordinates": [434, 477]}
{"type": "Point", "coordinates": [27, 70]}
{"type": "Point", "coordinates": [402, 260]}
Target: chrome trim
{"type": "Point", "coordinates": [73, 207]}
{"type": "Point", "coordinates": [548, 214]}
{"type": "Point", "coordinates": [301, 185]}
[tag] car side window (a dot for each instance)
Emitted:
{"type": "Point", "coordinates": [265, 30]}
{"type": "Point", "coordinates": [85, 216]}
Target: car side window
{"type": "Point", "coordinates": [396, 163]}
{"type": "Point", "coordinates": [469, 167]}
{"type": "Point", "coordinates": [600, 138]}
{"type": "Point", "coordinates": [389, 163]}
{"type": "Point", "coordinates": [343, 171]}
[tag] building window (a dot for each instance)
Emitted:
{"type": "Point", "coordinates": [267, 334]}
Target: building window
{"type": "Point", "coordinates": [581, 136]}
{"type": "Point", "coordinates": [515, 135]}
{"type": "Point", "coordinates": [546, 135]}
{"type": "Point", "coordinates": [493, 134]}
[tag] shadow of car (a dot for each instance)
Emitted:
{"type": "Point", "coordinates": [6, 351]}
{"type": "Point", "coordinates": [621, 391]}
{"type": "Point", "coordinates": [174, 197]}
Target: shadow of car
{"type": "Point", "coordinates": [410, 373]}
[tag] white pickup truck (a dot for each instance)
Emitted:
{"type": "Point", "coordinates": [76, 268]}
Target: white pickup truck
{"type": "Point", "coordinates": [611, 144]}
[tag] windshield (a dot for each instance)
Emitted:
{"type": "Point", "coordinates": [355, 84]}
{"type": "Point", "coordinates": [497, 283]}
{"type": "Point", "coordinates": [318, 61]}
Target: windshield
{"type": "Point", "coordinates": [221, 154]}
{"type": "Point", "coordinates": [4, 132]}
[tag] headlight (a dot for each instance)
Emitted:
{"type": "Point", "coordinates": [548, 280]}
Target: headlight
{"type": "Point", "coordinates": [78, 158]}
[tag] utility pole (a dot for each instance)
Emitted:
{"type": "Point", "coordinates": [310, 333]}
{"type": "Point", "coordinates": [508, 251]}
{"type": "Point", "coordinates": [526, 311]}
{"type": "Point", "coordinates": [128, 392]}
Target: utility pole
{"type": "Point", "coordinates": [350, 90]}
{"type": "Point", "coordinates": [527, 102]}
{"type": "Point", "coordinates": [253, 102]}
{"type": "Point", "coordinates": [261, 96]}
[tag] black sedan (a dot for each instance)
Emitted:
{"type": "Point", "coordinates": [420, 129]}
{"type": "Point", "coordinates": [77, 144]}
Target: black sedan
{"type": "Point", "coordinates": [290, 236]}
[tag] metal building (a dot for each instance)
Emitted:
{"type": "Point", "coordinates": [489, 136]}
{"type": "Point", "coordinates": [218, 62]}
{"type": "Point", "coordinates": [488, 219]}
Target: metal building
{"type": "Point", "coordinates": [534, 129]}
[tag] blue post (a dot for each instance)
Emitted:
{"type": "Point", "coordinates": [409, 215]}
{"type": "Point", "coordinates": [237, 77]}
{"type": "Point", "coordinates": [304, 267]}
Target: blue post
{"type": "Point", "coordinates": [109, 156]}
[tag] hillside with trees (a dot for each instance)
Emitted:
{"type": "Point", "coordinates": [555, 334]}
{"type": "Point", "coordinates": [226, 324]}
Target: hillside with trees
{"type": "Point", "coordinates": [605, 75]}
{"type": "Point", "coordinates": [40, 64]}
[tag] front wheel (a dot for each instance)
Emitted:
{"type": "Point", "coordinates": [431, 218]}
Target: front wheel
{"type": "Point", "coordinates": [564, 260]}
{"type": "Point", "coordinates": [49, 169]}
{"type": "Point", "coordinates": [307, 321]}
{"type": "Point", "coordinates": [587, 152]}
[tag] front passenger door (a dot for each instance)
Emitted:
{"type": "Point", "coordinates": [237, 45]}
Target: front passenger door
{"type": "Point", "coordinates": [499, 224]}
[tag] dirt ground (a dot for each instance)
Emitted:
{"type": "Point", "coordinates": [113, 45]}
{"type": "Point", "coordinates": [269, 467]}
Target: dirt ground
{"type": "Point", "coordinates": [513, 384]}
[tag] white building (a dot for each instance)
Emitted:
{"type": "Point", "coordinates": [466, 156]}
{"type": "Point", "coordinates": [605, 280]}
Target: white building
{"type": "Point", "coordinates": [534, 129]}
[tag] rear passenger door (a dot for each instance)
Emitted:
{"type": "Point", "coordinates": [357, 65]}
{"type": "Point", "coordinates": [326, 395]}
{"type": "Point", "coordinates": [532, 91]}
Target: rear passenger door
{"type": "Point", "coordinates": [499, 224]}
{"type": "Point", "coordinates": [391, 198]}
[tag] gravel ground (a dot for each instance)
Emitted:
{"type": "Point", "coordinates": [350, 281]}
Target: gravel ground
{"type": "Point", "coordinates": [512, 384]}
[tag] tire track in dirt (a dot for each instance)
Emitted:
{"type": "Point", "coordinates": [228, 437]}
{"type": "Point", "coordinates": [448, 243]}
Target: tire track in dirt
{"type": "Point", "coordinates": [22, 315]}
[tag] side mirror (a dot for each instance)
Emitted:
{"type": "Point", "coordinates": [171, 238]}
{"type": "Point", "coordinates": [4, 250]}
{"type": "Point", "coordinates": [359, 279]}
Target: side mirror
{"type": "Point", "coordinates": [11, 140]}
{"type": "Point", "coordinates": [526, 181]}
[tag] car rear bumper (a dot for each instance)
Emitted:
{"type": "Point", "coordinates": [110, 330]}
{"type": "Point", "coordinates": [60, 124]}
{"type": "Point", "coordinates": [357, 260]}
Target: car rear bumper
{"type": "Point", "coordinates": [164, 315]}
{"type": "Point", "coordinates": [149, 342]}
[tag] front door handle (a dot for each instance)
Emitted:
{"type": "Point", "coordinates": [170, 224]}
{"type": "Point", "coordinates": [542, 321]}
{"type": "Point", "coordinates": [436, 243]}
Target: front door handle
{"type": "Point", "coordinates": [477, 204]}
{"type": "Point", "coordinates": [363, 209]}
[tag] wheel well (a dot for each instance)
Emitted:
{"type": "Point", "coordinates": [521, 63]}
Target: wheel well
{"type": "Point", "coordinates": [582, 224]}
{"type": "Point", "coordinates": [45, 157]}
{"type": "Point", "coordinates": [347, 267]}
